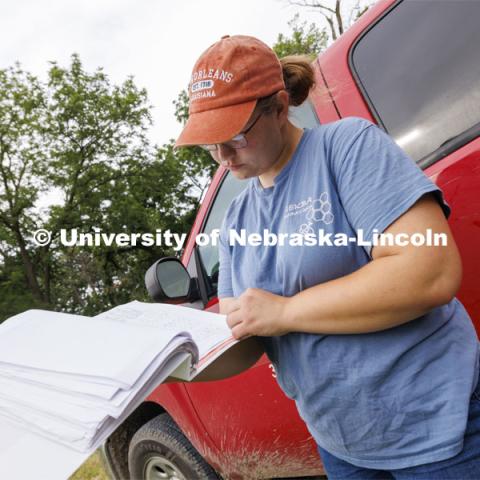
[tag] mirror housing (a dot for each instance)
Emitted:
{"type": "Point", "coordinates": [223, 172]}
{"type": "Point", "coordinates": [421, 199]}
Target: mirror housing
{"type": "Point", "coordinates": [167, 281]}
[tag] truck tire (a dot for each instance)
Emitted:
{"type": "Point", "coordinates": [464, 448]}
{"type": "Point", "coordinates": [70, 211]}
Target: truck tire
{"type": "Point", "coordinates": [159, 450]}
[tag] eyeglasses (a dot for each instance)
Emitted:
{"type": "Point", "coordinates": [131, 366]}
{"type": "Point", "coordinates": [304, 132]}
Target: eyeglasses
{"type": "Point", "coordinates": [238, 141]}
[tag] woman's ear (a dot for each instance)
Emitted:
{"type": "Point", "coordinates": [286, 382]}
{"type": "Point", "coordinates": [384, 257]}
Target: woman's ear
{"type": "Point", "coordinates": [282, 104]}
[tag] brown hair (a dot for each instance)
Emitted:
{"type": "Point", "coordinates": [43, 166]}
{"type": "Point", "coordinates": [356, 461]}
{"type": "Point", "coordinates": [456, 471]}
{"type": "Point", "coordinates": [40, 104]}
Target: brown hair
{"type": "Point", "coordinates": [299, 80]}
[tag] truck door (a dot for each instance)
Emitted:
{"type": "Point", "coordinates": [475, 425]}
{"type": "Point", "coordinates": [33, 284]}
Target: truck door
{"type": "Point", "coordinates": [423, 88]}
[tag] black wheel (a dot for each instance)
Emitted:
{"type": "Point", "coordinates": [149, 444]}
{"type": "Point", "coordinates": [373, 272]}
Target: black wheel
{"type": "Point", "coordinates": [159, 450]}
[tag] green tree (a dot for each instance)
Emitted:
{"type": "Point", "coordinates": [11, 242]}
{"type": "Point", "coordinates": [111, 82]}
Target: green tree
{"type": "Point", "coordinates": [304, 39]}
{"type": "Point", "coordinates": [22, 160]}
{"type": "Point", "coordinates": [83, 141]}
{"type": "Point", "coordinates": [75, 155]}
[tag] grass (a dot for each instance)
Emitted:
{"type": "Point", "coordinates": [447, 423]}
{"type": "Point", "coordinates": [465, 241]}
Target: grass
{"type": "Point", "coordinates": [92, 469]}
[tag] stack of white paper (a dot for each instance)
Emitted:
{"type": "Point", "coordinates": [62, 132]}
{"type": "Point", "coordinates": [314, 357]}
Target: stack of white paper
{"type": "Point", "coordinates": [71, 380]}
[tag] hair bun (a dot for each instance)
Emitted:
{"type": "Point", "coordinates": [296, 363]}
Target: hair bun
{"type": "Point", "coordinates": [298, 76]}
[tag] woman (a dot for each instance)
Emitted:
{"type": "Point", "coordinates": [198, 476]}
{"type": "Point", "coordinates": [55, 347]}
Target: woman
{"type": "Point", "coordinates": [369, 340]}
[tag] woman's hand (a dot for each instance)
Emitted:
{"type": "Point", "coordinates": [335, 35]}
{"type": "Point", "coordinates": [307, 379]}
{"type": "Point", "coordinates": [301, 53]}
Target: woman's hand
{"type": "Point", "coordinates": [257, 312]}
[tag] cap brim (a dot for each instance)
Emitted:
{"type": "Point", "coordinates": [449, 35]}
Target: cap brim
{"type": "Point", "coordinates": [215, 126]}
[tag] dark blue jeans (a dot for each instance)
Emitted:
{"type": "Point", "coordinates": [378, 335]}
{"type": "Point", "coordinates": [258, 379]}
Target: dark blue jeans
{"type": "Point", "coordinates": [464, 466]}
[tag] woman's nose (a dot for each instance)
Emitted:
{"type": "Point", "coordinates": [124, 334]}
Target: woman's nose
{"type": "Point", "coordinates": [225, 153]}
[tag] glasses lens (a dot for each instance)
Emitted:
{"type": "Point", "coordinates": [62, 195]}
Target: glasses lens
{"type": "Point", "coordinates": [238, 141]}
{"type": "Point", "coordinates": [210, 147]}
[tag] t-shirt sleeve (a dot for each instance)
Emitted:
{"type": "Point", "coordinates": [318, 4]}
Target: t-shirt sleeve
{"type": "Point", "coordinates": [376, 180]}
{"type": "Point", "coordinates": [225, 288]}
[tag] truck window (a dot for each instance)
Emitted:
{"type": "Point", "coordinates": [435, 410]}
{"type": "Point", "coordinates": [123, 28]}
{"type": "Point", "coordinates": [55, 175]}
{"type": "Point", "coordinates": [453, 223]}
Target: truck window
{"type": "Point", "coordinates": [303, 116]}
{"type": "Point", "coordinates": [228, 190]}
{"type": "Point", "coordinates": [419, 68]}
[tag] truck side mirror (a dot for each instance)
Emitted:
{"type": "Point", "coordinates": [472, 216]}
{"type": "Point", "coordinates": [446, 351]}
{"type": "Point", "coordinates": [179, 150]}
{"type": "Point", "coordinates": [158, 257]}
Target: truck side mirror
{"type": "Point", "coordinates": [168, 281]}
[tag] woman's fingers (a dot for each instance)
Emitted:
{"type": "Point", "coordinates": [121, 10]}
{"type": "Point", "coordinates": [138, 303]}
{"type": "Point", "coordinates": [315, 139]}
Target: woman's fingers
{"type": "Point", "coordinates": [234, 318]}
{"type": "Point", "coordinates": [239, 334]}
{"type": "Point", "coordinates": [238, 326]}
{"type": "Point", "coordinates": [232, 306]}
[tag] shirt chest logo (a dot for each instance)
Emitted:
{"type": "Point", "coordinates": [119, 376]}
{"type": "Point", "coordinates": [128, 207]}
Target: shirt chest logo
{"type": "Point", "coordinates": [311, 210]}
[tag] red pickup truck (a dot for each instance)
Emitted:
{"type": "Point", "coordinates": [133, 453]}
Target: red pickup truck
{"type": "Point", "coordinates": [414, 69]}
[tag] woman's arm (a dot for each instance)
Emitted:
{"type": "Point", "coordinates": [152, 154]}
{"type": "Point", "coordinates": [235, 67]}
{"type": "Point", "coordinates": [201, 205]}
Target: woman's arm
{"type": "Point", "coordinates": [398, 285]}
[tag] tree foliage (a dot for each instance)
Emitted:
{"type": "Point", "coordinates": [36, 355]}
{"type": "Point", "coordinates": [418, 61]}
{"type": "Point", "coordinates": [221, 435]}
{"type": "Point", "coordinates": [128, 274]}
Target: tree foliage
{"type": "Point", "coordinates": [304, 39]}
{"type": "Point", "coordinates": [75, 155]}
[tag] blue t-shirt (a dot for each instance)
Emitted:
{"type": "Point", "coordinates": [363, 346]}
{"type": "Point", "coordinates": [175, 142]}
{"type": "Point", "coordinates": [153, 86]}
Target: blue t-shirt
{"type": "Point", "coordinates": [389, 399]}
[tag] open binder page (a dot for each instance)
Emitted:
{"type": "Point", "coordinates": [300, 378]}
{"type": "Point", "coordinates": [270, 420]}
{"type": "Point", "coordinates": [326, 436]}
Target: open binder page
{"type": "Point", "coordinates": [207, 329]}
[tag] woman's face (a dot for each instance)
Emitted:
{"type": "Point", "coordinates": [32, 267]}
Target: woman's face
{"type": "Point", "coordinates": [266, 141]}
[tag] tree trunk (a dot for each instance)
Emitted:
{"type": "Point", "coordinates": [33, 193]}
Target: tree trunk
{"type": "Point", "coordinates": [28, 267]}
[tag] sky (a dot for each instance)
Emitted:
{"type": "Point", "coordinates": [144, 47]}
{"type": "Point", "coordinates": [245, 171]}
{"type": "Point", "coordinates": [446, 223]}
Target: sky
{"type": "Point", "coordinates": [156, 41]}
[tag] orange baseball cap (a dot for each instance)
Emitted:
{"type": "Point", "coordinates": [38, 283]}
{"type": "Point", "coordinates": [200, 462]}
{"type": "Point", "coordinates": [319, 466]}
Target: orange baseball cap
{"type": "Point", "coordinates": [227, 80]}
